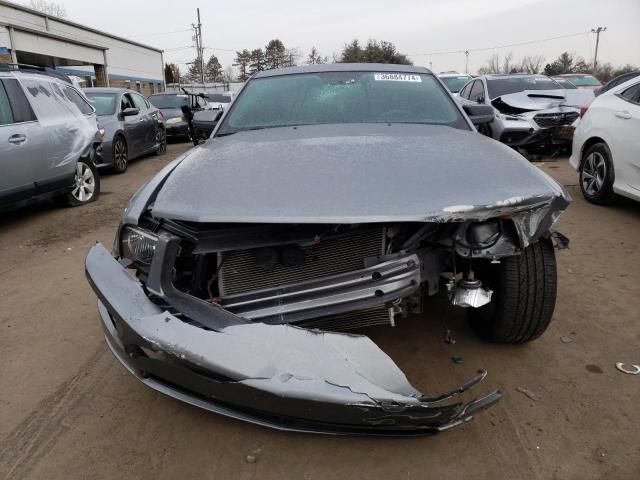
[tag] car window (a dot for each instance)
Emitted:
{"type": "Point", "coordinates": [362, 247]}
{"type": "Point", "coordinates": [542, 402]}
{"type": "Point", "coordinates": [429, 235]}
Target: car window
{"type": "Point", "coordinates": [632, 94]}
{"type": "Point", "coordinates": [342, 97]}
{"type": "Point", "coordinates": [6, 116]}
{"type": "Point", "coordinates": [455, 83]}
{"type": "Point", "coordinates": [169, 101]}
{"type": "Point", "coordinates": [219, 97]}
{"type": "Point", "coordinates": [477, 91]}
{"type": "Point", "coordinates": [22, 111]}
{"type": "Point", "coordinates": [584, 81]}
{"type": "Point", "coordinates": [139, 102]}
{"type": "Point", "coordinates": [104, 103]}
{"type": "Point", "coordinates": [126, 102]}
{"type": "Point", "coordinates": [506, 85]}
{"type": "Point", "coordinates": [78, 100]}
{"type": "Point", "coordinates": [465, 91]}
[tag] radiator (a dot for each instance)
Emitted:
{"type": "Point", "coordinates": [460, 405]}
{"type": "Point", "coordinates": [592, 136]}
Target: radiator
{"type": "Point", "coordinates": [239, 271]}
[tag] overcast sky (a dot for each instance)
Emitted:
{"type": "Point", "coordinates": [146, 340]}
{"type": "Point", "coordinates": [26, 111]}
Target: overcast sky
{"type": "Point", "coordinates": [416, 27]}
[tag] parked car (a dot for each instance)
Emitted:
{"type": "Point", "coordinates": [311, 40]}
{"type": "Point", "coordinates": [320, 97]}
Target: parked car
{"type": "Point", "coordinates": [329, 197]}
{"type": "Point", "coordinates": [454, 81]}
{"type": "Point", "coordinates": [580, 80]}
{"type": "Point", "coordinates": [619, 80]}
{"type": "Point", "coordinates": [532, 112]}
{"type": "Point", "coordinates": [48, 140]}
{"type": "Point", "coordinates": [219, 100]}
{"type": "Point", "coordinates": [170, 104]}
{"type": "Point", "coordinates": [565, 83]}
{"type": "Point", "coordinates": [606, 145]}
{"type": "Point", "coordinates": [133, 127]}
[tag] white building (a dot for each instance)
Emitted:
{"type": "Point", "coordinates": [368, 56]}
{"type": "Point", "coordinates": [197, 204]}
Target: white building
{"type": "Point", "coordinates": [101, 59]}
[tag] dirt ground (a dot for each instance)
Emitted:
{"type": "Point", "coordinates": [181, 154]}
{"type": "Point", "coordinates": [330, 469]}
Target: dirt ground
{"type": "Point", "coordinates": [69, 410]}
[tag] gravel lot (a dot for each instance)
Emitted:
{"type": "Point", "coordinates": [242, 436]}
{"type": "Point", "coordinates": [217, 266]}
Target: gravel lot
{"type": "Point", "coordinates": [69, 410]}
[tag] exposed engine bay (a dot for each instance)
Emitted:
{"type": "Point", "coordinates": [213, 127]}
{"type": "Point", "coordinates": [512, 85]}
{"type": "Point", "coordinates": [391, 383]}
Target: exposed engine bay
{"type": "Point", "coordinates": [336, 277]}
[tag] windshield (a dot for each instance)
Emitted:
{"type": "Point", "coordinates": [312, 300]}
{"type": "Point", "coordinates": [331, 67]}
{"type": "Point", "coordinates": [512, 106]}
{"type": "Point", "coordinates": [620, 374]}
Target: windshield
{"type": "Point", "coordinates": [455, 84]}
{"type": "Point", "coordinates": [169, 101]}
{"type": "Point", "coordinates": [218, 97]}
{"type": "Point", "coordinates": [503, 86]}
{"type": "Point", "coordinates": [566, 84]}
{"type": "Point", "coordinates": [585, 81]}
{"type": "Point", "coordinates": [341, 97]}
{"type": "Point", "coordinates": [104, 103]}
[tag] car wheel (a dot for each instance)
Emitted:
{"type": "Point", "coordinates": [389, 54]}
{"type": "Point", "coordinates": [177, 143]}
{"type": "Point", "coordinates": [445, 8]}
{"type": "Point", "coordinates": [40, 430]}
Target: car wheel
{"type": "Point", "coordinates": [87, 184]}
{"type": "Point", "coordinates": [596, 175]}
{"type": "Point", "coordinates": [524, 295]}
{"type": "Point", "coordinates": [161, 140]}
{"type": "Point", "coordinates": [120, 155]}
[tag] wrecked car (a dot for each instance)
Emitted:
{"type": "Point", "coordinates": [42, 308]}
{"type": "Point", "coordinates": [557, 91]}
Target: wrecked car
{"type": "Point", "coordinates": [328, 198]}
{"type": "Point", "coordinates": [532, 112]}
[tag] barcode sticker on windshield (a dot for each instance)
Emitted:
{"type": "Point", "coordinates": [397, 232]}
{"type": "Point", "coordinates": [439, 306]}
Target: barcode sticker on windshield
{"type": "Point", "coordinates": [397, 77]}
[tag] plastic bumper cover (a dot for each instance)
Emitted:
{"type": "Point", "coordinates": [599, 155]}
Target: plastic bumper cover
{"type": "Point", "coordinates": [273, 375]}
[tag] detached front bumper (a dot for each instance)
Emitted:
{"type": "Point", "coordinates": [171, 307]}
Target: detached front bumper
{"type": "Point", "coordinates": [278, 376]}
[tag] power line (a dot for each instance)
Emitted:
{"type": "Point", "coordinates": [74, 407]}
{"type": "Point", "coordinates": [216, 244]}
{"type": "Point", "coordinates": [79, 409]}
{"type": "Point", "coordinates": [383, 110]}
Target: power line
{"type": "Point", "coordinates": [498, 46]}
{"type": "Point", "coordinates": [156, 33]}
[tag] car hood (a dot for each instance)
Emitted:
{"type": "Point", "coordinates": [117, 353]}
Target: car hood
{"type": "Point", "coordinates": [547, 99]}
{"type": "Point", "coordinates": [168, 113]}
{"type": "Point", "coordinates": [355, 173]}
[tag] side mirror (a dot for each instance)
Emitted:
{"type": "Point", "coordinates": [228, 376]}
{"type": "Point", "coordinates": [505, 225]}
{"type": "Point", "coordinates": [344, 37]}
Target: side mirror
{"type": "Point", "coordinates": [130, 112]}
{"type": "Point", "coordinates": [479, 114]}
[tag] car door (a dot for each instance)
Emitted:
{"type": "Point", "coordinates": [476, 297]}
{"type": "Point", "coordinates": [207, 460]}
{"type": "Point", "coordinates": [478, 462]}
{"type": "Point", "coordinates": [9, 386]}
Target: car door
{"type": "Point", "coordinates": [147, 121]}
{"type": "Point", "coordinates": [625, 130]}
{"type": "Point", "coordinates": [22, 145]}
{"type": "Point", "coordinates": [134, 126]}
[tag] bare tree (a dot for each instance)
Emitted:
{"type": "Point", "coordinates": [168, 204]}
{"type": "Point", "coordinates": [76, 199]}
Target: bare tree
{"type": "Point", "coordinates": [532, 63]}
{"type": "Point", "coordinates": [507, 65]}
{"type": "Point", "coordinates": [54, 9]}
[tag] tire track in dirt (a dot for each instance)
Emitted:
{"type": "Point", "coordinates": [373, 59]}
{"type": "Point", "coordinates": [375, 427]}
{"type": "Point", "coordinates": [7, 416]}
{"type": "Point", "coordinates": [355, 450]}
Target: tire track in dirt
{"type": "Point", "coordinates": [21, 449]}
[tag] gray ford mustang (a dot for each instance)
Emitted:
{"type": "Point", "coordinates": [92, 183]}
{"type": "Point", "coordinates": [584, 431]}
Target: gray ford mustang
{"type": "Point", "coordinates": [328, 198]}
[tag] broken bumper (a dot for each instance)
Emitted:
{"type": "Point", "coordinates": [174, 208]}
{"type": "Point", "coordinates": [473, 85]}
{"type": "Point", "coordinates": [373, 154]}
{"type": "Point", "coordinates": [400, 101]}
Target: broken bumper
{"type": "Point", "coordinates": [273, 375]}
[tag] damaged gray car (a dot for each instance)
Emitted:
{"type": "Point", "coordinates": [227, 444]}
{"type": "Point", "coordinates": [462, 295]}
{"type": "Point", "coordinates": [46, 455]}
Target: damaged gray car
{"type": "Point", "coordinates": [328, 198]}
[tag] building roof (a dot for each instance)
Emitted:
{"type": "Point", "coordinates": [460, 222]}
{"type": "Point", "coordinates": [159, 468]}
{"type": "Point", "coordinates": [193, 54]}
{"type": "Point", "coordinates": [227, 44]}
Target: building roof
{"type": "Point", "coordinates": [74, 24]}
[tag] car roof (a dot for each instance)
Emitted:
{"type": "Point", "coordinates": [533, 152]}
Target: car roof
{"type": "Point", "coordinates": [449, 74]}
{"type": "Point", "coordinates": [108, 90]}
{"type": "Point", "coordinates": [37, 74]}
{"type": "Point", "coordinates": [497, 76]}
{"type": "Point", "coordinates": [569, 75]}
{"type": "Point", "coordinates": [342, 67]}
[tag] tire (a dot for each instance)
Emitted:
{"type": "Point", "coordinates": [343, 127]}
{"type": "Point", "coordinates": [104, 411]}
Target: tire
{"type": "Point", "coordinates": [161, 139]}
{"type": "Point", "coordinates": [87, 186]}
{"type": "Point", "coordinates": [120, 154]}
{"type": "Point", "coordinates": [524, 295]}
{"type": "Point", "coordinates": [597, 175]}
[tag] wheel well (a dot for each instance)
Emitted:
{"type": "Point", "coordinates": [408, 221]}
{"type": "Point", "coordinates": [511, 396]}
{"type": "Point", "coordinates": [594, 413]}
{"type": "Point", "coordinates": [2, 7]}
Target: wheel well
{"type": "Point", "coordinates": [588, 144]}
{"type": "Point", "coordinates": [120, 135]}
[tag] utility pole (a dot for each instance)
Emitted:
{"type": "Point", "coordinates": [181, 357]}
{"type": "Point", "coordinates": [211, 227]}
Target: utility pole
{"type": "Point", "coordinates": [466, 63]}
{"type": "Point", "coordinates": [199, 49]}
{"type": "Point", "coordinates": [595, 56]}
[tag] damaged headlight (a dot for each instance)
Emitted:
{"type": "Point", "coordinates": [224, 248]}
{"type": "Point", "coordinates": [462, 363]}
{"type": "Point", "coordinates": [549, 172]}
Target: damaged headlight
{"type": "Point", "coordinates": [138, 245]}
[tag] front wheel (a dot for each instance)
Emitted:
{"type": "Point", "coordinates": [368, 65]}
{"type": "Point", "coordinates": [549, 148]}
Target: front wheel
{"type": "Point", "coordinates": [161, 140]}
{"type": "Point", "coordinates": [87, 184]}
{"type": "Point", "coordinates": [524, 295]}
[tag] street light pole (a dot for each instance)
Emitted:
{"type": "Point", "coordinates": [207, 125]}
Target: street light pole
{"type": "Point", "coordinates": [595, 56]}
{"type": "Point", "coordinates": [466, 64]}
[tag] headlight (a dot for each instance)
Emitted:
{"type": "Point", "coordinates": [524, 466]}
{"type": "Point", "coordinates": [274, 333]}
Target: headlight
{"type": "Point", "coordinates": [174, 120]}
{"type": "Point", "coordinates": [138, 245]}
